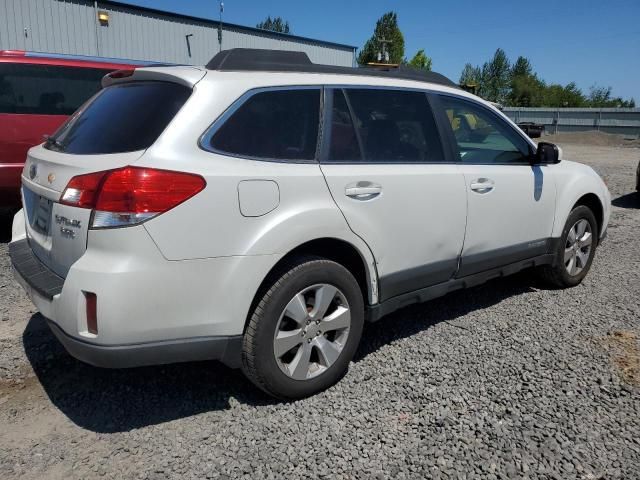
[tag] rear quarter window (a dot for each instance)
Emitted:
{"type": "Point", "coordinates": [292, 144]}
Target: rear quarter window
{"type": "Point", "coordinates": [272, 125]}
{"type": "Point", "coordinates": [45, 89]}
{"type": "Point", "coordinates": [121, 118]}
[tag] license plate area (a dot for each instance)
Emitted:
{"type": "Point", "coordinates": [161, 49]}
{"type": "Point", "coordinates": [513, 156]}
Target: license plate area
{"type": "Point", "coordinates": [41, 218]}
{"type": "Point", "coordinates": [57, 233]}
{"type": "Point", "coordinates": [39, 212]}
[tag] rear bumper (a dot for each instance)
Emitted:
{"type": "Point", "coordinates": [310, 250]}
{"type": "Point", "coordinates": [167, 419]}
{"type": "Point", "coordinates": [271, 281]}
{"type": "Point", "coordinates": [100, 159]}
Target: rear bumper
{"type": "Point", "coordinates": [225, 349]}
{"type": "Point", "coordinates": [44, 288]}
{"type": "Point", "coordinates": [149, 310]}
{"type": "Point", "coordinates": [32, 271]}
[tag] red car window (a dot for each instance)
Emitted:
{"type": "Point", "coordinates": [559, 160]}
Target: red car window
{"type": "Point", "coordinates": [46, 89]}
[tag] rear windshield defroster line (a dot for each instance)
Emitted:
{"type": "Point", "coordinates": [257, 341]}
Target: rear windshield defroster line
{"type": "Point", "coordinates": [126, 117]}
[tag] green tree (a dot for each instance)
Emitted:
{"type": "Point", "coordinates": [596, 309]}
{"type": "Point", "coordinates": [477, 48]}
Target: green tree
{"type": "Point", "coordinates": [421, 61]}
{"type": "Point", "coordinates": [558, 96]}
{"type": "Point", "coordinates": [496, 77]}
{"type": "Point", "coordinates": [386, 29]}
{"type": "Point", "coordinates": [526, 91]}
{"type": "Point", "coordinates": [276, 24]}
{"type": "Point", "coordinates": [600, 97]}
{"type": "Point", "coordinates": [520, 86]}
{"type": "Point", "coordinates": [522, 67]}
{"type": "Point", "coordinates": [470, 75]}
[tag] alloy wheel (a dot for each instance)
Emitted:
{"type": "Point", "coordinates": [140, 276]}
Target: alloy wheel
{"type": "Point", "coordinates": [312, 331]}
{"type": "Point", "coordinates": [578, 247]}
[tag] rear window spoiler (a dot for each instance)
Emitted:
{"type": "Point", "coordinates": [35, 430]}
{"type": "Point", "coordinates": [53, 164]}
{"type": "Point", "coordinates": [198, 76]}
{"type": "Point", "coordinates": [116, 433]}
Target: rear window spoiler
{"type": "Point", "coordinates": [183, 75]}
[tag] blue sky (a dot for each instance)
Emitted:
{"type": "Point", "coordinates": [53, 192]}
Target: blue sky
{"type": "Point", "coordinates": [586, 41]}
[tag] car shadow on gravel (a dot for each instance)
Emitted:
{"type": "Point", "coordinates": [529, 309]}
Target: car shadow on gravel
{"type": "Point", "coordinates": [6, 219]}
{"type": "Point", "coordinates": [419, 317]}
{"type": "Point", "coordinates": [629, 200]}
{"type": "Point", "coordinates": [108, 401]}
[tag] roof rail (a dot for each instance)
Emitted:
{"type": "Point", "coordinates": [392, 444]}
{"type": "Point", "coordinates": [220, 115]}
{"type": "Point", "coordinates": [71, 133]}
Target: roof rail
{"type": "Point", "coordinates": [255, 60]}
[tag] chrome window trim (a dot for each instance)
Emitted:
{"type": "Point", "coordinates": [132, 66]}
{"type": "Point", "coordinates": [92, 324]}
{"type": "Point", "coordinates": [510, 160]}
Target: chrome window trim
{"type": "Point", "coordinates": [204, 142]}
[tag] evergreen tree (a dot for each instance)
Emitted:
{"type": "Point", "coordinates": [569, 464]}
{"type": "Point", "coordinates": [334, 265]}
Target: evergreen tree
{"type": "Point", "coordinates": [421, 61]}
{"type": "Point", "coordinates": [496, 77]}
{"type": "Point", "coordinates": [276, 24]}
{"type": "Point", "coordinates": [386, 29]}
{"type": "Point", "coordinates": [471, 75]}
{"type": "Point", "coordinates": [522, 67]}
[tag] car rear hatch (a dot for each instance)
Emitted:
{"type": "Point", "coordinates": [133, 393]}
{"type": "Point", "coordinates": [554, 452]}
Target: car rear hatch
{"type": "Point", "coordinates": [57, 233]}
{"type": "Point", "coordinates": [110, 132]}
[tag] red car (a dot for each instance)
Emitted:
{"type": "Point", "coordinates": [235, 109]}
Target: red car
{"type": "Point", "coordinates": [38, 92]}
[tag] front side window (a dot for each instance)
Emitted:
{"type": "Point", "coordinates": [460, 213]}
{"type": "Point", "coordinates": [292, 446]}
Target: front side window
{"type": "Point", "coordinates": [481, 136]}
{"type": "Point", "coordinates": [125, 117]}
{"type": "Point", "coordinates": [272, 125]}
{"type": "Point", "coordinates": [46, 90]}
{"type": "Point", "coordinates": [390, 126]}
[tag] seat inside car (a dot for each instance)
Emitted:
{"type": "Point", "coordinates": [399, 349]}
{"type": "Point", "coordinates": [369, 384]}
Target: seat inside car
{"type": "Point", "coordinates": [384, 143]}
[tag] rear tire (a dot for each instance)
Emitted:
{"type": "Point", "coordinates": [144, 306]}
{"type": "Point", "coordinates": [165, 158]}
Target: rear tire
{"type": "Point", "coordinates": [304, 330]}
{"type": "Point", "coordinates": [575, 251]}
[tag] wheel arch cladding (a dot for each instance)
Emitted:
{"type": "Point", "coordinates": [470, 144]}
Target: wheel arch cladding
{"type": "Point", "coordinates": [591, 201]}
{"type": "Point", "coordinates": [339, 251]}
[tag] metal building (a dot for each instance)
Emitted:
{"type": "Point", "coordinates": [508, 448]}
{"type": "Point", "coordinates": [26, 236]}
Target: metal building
{"type": "Point", "coordinates": [620, 121]}
{"type": "Point", "coordinates": [117, 30]}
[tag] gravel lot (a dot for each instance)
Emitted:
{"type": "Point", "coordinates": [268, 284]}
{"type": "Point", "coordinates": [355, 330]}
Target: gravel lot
{"type": "Point", "coordinates": [506, 380]}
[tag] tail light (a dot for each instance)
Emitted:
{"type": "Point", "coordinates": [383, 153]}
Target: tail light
{"type": "Point", "coordinates": [130, 195]}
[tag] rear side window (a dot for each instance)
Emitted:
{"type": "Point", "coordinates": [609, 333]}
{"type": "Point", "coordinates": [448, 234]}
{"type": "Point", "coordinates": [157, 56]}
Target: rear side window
{"type": "Point", "coordinates": [391, 126]}
{"type": "Point", "coordinates": [272, 125]}
{"type": "Point", "coordinates": [46, 90]}
{"type": "Point", "coordinates": [122, 118]}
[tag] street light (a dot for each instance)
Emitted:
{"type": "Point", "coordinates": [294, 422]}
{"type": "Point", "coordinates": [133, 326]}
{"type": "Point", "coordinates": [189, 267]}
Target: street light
{"type": "Point", "coordinates": [220, 24]}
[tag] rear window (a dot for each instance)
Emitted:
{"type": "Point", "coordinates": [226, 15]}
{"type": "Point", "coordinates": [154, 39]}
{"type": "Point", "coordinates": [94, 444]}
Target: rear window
{"type": "Point", "coordinates": [46, 90]}
{"type": "Point", "coordinates": [122, 118]}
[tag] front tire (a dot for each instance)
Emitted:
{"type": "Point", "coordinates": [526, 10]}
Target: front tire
{"type": "Point", "coordinates": [304, 330]}
{"type": "Point", "coordinates": [575, 251]}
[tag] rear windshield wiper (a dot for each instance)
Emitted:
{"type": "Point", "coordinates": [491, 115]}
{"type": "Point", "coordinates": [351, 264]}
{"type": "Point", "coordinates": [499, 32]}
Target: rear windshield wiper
{"type": "Point", "coordinates": [54, 142]}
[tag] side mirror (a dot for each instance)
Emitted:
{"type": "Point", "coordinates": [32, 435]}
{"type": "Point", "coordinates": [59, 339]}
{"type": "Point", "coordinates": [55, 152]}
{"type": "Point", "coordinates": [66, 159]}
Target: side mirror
{"type": "Point", "coordinates": [546, 154]}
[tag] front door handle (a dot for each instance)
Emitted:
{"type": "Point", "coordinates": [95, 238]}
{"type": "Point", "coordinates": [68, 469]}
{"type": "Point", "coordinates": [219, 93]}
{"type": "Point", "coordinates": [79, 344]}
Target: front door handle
{"type": "Point", "coordinates": [482, 185]}
{"type": "Point", "coordinates": [363, 190]}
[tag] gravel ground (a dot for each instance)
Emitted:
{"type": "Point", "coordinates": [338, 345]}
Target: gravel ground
{"type": "Point", "coordinates": [506, 380]}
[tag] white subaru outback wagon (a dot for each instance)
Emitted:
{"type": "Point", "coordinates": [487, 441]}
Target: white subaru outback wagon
{"type": "Point", "coordinates": [258, 210]}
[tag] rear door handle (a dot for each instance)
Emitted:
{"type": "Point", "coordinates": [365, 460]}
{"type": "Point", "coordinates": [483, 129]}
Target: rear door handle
{"type": "Point", "coordinates": [482, 185]}
{"type": "Point", "coordinates": [363, 190]}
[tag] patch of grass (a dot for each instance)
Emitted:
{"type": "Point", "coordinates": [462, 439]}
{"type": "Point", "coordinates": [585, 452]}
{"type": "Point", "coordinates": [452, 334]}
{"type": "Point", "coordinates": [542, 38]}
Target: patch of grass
{"type": "Point", "coordinates": [624, 350]}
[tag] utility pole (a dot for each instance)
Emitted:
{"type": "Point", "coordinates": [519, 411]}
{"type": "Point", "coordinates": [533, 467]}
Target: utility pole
{"type": "Point", "coordinates": [383, 54]}
{"type": "Point", "coordinates": [220, 25]}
